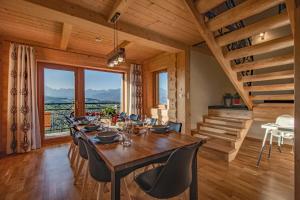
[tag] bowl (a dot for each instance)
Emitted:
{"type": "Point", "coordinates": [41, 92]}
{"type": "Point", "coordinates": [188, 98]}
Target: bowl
{"type": "Point", "coordinates": [107, 135]}
{"type": "Point", "coordinates": [91, 127]}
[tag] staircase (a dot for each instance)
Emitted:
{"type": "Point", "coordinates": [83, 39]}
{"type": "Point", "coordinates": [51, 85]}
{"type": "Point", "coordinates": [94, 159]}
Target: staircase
{"type": "Point", "coordinates": [261, 70]}
{"type": "Point", "coordinates": [225, 130]}
{"type": "Point", "coordinates": [266, 80]}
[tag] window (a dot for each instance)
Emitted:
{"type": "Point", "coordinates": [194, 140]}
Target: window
{"type": "Point", "coordinates": [162, 88]}
{"type": "Point", "coordinates": [103, 91]}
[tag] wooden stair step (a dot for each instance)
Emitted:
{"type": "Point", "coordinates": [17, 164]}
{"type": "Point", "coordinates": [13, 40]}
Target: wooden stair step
{"type": "Point", "coordinates": [272, 87]}
{"type": "Point", "coordinates": [236, 120]}
{"type": "Point", "coordinates": [273, 97]}
{"type": "Point", "coordinates": [269, 76]}
{"type": "Point", "coordinates": [223, 123]}
{"type": "Point", "coordinates": [273, 105]}
{"type": "Point", "coordinates": [261, 48]}
{"type": "Point", "coordinates": [220, 131]}
{"type": "Point", "coordinates": [225, 128]}
{"type": "Point", "coordinates": [264, 25]}
{"type": "Point", "coordinates": [221, 136]}
{"type": "Point", "coordinates": [240, 12]}
{"type": "Point", "coordinates": [265, 63]}
{"type": "Point", "coordinates": [219, 147]}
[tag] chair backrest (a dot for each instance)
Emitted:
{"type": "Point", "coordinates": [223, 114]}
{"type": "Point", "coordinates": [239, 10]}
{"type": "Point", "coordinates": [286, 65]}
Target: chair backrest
{"type": "Point", "coordinates": [82, 149]}
{"type": "Point", "coordinates": [176, 176]}
{"type": "Point", "coordinates": [134, 117]}
{"type": "Point", "coordinates": [286, 121]}
{"type": "Point", "coordinates": [97, 167]}
{"type": "Point", "coordinates": [153, 121]}
{"type": "Point", "coordinates": [174, 126]}
{"type": "Point", "coordinates": [69, 120]}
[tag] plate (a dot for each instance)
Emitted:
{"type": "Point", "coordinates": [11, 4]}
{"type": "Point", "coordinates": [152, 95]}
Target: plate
{"type": "Point", "coordinates": [98, 140]}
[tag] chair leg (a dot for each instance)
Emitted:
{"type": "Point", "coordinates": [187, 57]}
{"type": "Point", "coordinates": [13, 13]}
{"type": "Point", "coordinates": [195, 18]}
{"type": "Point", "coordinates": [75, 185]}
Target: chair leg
{"type": "Point", "coordinates": [279, 144]}
{"type": "Point", "coordinates": [100, 191]}
{"type": "Point", "coordinates": [74, 155]}
{"type": "Point", "coordinates": [78, 158]}
{"type": "Point", "coordinates": [270, 147]}
{"type": "Point", "coordinates": [125, 188]}
{"type": "Point", "coordinates": [85, 181]}
{"type": "Point", "coordinates": [70, 150]}
{"type": "Point", "coordinates": [262, 148]}
{"type": "Point", "coordinates": [79, 170]}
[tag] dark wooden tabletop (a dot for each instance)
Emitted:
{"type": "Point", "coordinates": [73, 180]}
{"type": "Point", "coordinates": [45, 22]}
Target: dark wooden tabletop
{"type": "Point", "coordinates": [145, 147]}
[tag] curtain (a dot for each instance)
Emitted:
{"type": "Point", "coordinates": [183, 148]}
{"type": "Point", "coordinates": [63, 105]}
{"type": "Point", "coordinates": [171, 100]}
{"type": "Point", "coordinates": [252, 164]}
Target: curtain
{"type": "Point", "coordinates": [23, 121]}
{"type": "Point", "coordinates": [135, 90]}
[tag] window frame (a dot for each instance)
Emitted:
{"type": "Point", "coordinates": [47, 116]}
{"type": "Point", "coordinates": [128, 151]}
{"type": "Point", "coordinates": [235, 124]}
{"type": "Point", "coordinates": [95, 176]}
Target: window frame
{"type": "Point", "coordinates": [156, 86]}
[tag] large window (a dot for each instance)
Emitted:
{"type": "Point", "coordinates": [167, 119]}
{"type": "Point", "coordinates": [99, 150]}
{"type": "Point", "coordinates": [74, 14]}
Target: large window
{"type": "Point", "coordinates": [162, 88]}
{"type": "Point", "coordinates": [103, 92]}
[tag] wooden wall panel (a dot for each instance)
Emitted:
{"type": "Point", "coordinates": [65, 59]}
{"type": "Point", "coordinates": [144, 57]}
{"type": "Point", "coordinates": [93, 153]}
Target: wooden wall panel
{"type": "Point", "coordinates": [177, 66]}
{"type": "Point", "coordinates": [297, 99]}
{"type": "Point", "coordinates": [183, 90]}
{"type": "Point", "coordinates": [160, 62]}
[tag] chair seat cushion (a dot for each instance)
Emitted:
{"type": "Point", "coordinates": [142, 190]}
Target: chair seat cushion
{"type": "Point", "coordinates": [147, 179]}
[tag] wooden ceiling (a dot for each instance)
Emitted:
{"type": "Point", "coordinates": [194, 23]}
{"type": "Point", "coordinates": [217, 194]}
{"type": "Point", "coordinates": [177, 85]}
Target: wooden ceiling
{"type": "Point", "coordinates": [151, 26]}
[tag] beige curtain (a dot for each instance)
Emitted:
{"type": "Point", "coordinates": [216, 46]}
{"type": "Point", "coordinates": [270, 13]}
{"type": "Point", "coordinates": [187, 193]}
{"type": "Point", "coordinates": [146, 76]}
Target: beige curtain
{"type": "Point", "coordinates": [136, 90]}
{"type": "Point", "coordinates": [23, 121]}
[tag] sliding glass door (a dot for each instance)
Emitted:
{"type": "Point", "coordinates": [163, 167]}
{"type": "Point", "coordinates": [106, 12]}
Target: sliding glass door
{"type": "Point", "coordinates": [57, 98]}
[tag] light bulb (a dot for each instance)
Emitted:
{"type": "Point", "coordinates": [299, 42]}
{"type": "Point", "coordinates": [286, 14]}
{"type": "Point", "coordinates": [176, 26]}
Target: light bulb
{"type": "Point", "coordinates": [116, 62]}
{"type": "Point", "coordinates": [111, 64]}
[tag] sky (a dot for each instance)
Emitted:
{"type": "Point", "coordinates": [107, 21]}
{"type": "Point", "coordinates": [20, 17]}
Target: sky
{"type": "Point", "coordinates": [96, 80]}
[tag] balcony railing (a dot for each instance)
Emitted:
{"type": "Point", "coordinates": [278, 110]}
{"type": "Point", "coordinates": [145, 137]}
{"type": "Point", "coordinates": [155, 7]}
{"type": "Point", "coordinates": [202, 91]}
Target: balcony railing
{"type": "Point", "coordinates": [54, 120]}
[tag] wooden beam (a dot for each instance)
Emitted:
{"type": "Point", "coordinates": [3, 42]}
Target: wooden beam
{"type": "Point", "coordinates": [297, 100]}
{"type": "Point", "coordinates": [273, 97]}
{"type": "Point", "coordinates": [286, 74]}
{"type": "Point", "coordinates": [122, 45]}
{"type": "Point", "coordinates": [240, 12]}
{"type": "Point", "coordinates": [290, 5]}
{"type": "Point", "coordinates": [272, 87]}
{"type": "Point", "coordinates": [261, 48]}
{"type": "Point", "coordinates": [61, 11]}
{"type": "Point", "coordinates": [254, 29]}
{"type": "Point", "coordinates": [217, 51]}
{"type": "Point", "coordinates": [204, 6]}
{"type": "Point", "coordinates": [65, 36]}
{"type": "Point", "coordinates": [265, 63]}
{"type": "Point", "coordinates": [120, 7]}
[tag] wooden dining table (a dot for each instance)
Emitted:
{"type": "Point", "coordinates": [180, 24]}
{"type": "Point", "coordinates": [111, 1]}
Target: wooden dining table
{"type": "Point", "coordinates": [145, 149]}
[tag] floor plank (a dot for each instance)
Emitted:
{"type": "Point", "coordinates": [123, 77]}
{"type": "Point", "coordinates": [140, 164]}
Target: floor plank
{"type": "Point", "coordinates": [46, 174]}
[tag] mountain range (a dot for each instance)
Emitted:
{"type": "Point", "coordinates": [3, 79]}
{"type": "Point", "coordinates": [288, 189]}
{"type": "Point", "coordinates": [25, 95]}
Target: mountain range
{"type": "Point", "coordinates": [63, 95]}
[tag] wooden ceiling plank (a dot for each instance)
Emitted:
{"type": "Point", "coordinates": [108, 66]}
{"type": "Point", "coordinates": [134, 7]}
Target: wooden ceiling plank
{"type": "Point", "coordinates": [254, 29]}
{"type": "Point", "coordinates": [217, 51]}
{"type": "Point", "coordinates": [261, 48]}
{"type": "Point", "coordinates": [240, 12]}
{"type": "Point", "coordinates": [290, 5]}
{"type": "Point", "coordinates": [120, 7]}
{"type": "Point", "coordinates": [265, 63]}
{"type": "Point", "coordinates": [204, 6]}
{"type": "Point", "coordinates": [69, 13]}
{"type": "Point", "coordinates": [65, 37]}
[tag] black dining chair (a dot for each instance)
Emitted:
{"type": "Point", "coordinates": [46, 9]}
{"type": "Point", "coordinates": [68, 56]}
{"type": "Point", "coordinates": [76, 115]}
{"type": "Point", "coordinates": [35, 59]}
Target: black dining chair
{"type": "Point", "coordinates": [174, 126]}
{"type": "Point", "coordinates": [134, 117]}
{"type": "Point", "coordinates": [171, 179]}
{"type": "Point", "coordinates": [82, 159]}
{"type": "Point", "coordinates": [153, 121]}
{"type": "Point", "coordinates": [99, 171]}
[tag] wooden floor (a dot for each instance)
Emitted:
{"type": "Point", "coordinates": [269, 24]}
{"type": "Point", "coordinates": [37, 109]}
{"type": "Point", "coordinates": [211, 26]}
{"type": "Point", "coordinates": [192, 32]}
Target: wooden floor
{"type": "Point", "coordinates": [46, 174]}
